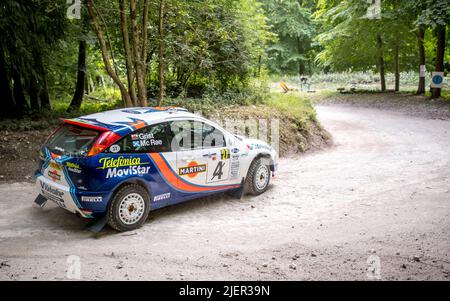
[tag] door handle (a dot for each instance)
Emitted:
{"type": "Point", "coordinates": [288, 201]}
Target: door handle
{"type": "Point", "coordinates": [206, 155]}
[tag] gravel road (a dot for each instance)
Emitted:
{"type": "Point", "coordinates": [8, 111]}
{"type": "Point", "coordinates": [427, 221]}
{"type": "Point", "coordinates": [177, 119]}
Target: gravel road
{"type": "Point", "coordinates": [374, 206]}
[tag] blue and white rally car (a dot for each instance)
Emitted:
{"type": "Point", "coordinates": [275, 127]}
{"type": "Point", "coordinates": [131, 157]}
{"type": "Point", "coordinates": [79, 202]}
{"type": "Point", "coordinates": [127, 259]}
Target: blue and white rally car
{"type": "Point", "coordinates": [119, 165]}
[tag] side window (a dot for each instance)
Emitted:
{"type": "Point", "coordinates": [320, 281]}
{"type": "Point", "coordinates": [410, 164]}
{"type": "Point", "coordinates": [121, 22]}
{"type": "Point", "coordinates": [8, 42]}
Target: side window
{"type": "Point", "coordinates": [151, 139]}
{"type": "Point", "coordinates": [197, 135]}
{"type": "Point", "coordinates": [190, 134]}
{"type": "Point", "coordinates": [180, 135]}
{"type": "Point", "coordinates": [212, 137]}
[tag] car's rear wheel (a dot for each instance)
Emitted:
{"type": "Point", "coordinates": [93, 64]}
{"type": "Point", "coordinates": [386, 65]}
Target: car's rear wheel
{"type": "Point", "coordinates": [258, 177]}
{"type": "Point", "coordinates": [129, 208]}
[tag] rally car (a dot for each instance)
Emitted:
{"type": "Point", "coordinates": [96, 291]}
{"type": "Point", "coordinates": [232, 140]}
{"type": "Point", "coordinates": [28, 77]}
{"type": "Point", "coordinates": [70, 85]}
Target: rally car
{"type": "Point", "coordinates": [118, 165]}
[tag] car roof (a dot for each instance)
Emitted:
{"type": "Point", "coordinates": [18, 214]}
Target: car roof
{"type": "Point", "coordinates": [127, 120]}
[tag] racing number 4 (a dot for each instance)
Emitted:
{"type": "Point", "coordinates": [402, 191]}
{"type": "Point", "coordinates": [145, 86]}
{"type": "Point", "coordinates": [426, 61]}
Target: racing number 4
{"type": "Point", "coordinates": [218, 172]}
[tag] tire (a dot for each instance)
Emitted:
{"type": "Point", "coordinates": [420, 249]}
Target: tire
{"type": "Point", "coordinates": [254, 182]}
{"type": "Point", "coordinates": [128, 208]}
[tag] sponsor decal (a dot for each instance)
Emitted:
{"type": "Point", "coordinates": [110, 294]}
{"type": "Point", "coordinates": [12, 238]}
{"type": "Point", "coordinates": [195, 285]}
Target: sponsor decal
{"type": "Point", "coordinates": [52, 194]}
{"type": "Point", "coordinates": [225, 154]}
{"type": "Point", "coordinates": [161, 197]}
{"type": "Point", "coordinates": [55, 165]}
{"type": "Point", "coordinates": [92, 199]}
{"type": "Point", "coordinates": [73, 167]}
{"type": "Point", "coordinates": [130, 171]}
{"type": "Point", "coordinates": [192, 170]}
{"type": "Point", "coordinates": [235, 150]}
{"type": "Point", "coordinates": [114, 148]}
{"type": "Point", "coordinates": [54, 191]}
{"type": "Point", "coordinates": [54, 175]}
{"type": "Point", "coordinates": [260, 146]}
{"type": "Point", "coordinates": [235, 168]}
{"type": "Point", "coordinates": [133, 164]}
{"type": "Point", "coordinates": [121, 161]}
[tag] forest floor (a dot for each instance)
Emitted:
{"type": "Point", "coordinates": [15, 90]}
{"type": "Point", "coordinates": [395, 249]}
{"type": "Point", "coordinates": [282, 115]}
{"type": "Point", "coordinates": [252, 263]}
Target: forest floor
{"type": "Point", "coordinates": [376, 205]}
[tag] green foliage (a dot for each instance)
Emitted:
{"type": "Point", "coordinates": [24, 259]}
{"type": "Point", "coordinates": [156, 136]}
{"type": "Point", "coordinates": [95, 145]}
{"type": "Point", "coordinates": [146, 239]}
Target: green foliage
{"type": "Point", "coordinates": [292, 104]}
{"type": "Point", "coordinates": [349, 38]}
{"type": "Point", "coordinates": [294, 50]}
{"type": "Point", "coordinates": [432, 12]}
{"type": "Point", "coordinates": [209, 45]}
{"type": "Point", "coordinates": [217, 52]}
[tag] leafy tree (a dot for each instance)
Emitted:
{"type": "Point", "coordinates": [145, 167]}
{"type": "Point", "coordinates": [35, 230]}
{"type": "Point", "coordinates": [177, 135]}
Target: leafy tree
{"type": "Point", "coordinates": [354, 41]}
{"type": "Point", "coordinates": [436, 14]}
{"type": "Point", "coordinates": [28, 30]}
{"type": "Point", "coordinates": [293, 22]}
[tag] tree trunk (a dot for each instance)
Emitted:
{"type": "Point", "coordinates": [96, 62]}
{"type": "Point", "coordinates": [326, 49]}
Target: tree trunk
{"type": "Point", "coordinates": [422, 59]}
{"type": "Point", "coordinates": [381, 63]}
{"type": "Point", "coordinates": [106, 58]}
{"type": "Point", "coordinates": [301, 50]}
{"type": "Point", "coordinates": [5, 88]}
{"type": "Point", "coordinates": [397, 67]}
{"type": "Point", "coordinates": [145, 36]}
{"type": "Point", "coordinates": [42, 86]}
{"type": "Point", "coordinates": [19, 96]}
{"type": "Point", "coordinates": [161, 52]}
{"type": "Point", "coordinates": [33, 93]}
{"type": "Point", "coordinates": [440, 51]}
{"type": "Point", "coordinates": [77, 99]}
{"type": "Point", "coordinates": [128, 53]}
{"type": "Point", "coordinates": [138, 65]}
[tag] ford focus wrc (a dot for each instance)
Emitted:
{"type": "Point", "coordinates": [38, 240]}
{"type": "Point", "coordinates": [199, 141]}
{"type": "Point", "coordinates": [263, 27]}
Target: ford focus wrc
{"type": "Point", "coordinates": [119, 165]}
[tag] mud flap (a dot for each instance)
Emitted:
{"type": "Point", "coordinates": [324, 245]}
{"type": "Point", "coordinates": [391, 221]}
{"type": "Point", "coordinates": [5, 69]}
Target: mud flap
{"type": "Point", "coordinates": [97, 225]}
{"type": "Point", "coordinates": [239, 192]}
{"type": "Point", "coordinates": [40, 201]}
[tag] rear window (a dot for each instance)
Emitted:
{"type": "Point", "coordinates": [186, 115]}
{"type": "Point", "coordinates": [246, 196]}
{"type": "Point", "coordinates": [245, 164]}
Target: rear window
{"type": "Point", "coordinates": [72, 141]}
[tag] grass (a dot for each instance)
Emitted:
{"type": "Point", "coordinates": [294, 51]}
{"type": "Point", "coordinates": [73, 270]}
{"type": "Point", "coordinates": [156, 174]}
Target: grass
{"type": "Point", "coordinates": [292, 104]}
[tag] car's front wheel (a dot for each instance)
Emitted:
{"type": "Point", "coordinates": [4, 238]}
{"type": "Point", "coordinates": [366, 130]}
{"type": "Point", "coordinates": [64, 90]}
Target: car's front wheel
{"type": "Point", "coordinates": [258, 177]}
{"type": "Point", "coordinates": [129, 208]}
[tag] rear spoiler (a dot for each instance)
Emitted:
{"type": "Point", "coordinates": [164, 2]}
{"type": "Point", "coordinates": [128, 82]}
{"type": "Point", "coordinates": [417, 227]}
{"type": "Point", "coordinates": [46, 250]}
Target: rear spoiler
{"type": "Point", "coordinates": [85, 124]}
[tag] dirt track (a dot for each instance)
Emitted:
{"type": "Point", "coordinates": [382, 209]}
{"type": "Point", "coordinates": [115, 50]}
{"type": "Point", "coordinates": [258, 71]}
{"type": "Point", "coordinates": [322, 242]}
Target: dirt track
{"type": "Point", "coordinates": [382, 191]}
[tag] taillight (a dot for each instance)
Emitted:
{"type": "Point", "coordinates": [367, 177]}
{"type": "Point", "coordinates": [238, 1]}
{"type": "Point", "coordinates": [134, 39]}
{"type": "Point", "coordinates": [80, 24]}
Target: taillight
{"type": "Point", "coordinates": [105, 140]}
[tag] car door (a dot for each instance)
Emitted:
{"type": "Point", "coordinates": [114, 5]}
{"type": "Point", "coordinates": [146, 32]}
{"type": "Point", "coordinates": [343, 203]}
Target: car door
{"type": "Point", "coordinates": [192, 160]}
{"type": "Point", "coordinates": [218, 155]}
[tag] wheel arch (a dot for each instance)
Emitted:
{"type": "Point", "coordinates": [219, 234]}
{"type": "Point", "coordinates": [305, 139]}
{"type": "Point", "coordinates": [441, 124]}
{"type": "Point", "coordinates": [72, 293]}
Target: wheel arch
{"type": "Point", "coordinates": [134, 181]}
{"type": "Point", "coordinates": [256, 157]}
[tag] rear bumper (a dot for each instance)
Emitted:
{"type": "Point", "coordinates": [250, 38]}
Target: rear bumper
{"type": "Point", "coordinates": [86, 204]}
